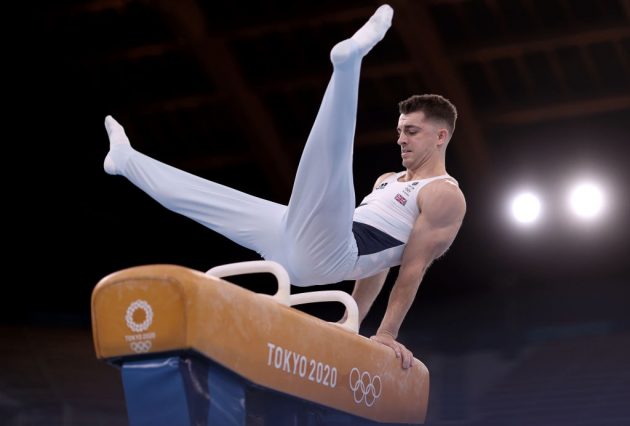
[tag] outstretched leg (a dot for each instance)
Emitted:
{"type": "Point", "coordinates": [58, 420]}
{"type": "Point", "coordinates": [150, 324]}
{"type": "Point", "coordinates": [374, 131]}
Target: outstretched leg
{"type": "Point", "coordinates": [318, 220]}
{"type": "Point", "coordinates": [249, 221]}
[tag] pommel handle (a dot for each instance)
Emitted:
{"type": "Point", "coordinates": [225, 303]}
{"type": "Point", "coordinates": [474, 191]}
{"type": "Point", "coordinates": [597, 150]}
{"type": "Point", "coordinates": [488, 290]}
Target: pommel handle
{"type": "Point", "coordinates": [255, 267]}
{"type": "Point", "coordinates": [352, 320]}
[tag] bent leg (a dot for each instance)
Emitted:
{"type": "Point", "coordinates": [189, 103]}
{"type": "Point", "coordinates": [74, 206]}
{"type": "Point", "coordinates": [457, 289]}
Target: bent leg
{"type": "Point", "coordinates": [318, 220]}
{"type": "Point", "coordinates": [247, 220]}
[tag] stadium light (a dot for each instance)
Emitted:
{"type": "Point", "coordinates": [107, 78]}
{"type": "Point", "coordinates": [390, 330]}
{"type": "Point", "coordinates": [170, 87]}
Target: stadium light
{"type": "Point", "coordinates": [586, 200]}
{"type": "Point", "coordinates": [526, 208]}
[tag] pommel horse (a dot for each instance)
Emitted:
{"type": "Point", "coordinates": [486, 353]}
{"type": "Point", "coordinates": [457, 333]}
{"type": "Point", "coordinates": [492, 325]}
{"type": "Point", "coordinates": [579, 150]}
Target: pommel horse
{"type": "Point", "coordinates": [194, 349]}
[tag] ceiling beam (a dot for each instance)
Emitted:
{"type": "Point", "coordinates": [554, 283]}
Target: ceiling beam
{"type": "Point", "coordinates": [299, 23]}
{"type": "Point", "coordinates": [573, 109]}
{"type": "Point", "coordinates": [542, 43]}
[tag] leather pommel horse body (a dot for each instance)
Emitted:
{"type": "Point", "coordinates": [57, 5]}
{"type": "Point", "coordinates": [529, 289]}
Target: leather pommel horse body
{"type": "Point", "coordinates": [196, 349]}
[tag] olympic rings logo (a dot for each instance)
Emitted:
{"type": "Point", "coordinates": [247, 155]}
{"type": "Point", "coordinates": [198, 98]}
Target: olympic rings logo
{"type": "Point", "coordinates": [148, 316]}
{"type": "Point", "coordinates": [365, 388]}
{"type": "Point", "coordinates": [141, 347]}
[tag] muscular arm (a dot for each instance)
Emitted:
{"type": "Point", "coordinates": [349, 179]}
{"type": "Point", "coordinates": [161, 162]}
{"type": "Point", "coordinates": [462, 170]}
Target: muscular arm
{"type": "Point", "coordinates": [442, 208]}
{"type": "Point", "coordinates": [366, 290]}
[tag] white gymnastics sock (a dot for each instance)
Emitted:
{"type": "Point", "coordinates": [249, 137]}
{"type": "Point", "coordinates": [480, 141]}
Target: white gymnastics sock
{"type": "Point", "coordinates": [366, 37]}
{"type": "Point", "coordinates": [117, 136]}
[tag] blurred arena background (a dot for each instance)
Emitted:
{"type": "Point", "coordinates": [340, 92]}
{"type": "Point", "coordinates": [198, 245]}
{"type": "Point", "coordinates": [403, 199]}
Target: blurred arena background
{"type": "Point", "coordinates": [517, 324]}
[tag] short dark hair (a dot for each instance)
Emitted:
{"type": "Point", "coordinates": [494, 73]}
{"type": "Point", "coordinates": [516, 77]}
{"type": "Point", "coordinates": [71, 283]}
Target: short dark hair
{"type": "Point", "coordinates": [434, 107]}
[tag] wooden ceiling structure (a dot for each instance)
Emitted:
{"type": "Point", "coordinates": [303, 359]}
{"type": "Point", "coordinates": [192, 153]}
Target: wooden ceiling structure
{"type": "Point", "coordinates": [214, 85]}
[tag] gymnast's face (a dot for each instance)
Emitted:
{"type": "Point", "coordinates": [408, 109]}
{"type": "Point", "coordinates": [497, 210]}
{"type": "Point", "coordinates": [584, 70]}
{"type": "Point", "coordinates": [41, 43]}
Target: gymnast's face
{"type": "Point", "coordinates": [419, 139]}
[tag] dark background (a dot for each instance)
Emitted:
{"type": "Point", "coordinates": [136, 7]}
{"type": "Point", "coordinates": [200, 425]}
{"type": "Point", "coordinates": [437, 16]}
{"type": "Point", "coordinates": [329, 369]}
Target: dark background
{"type": "Point", "coordinates": [517, 325]}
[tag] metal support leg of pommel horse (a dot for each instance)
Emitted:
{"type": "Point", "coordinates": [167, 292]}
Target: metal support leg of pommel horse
{"type": "Point", "coordinates": [194, 349]}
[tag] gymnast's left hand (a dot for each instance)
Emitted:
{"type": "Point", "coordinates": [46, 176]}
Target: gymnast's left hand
{"type": "Point", "coordinates": [400, 350]}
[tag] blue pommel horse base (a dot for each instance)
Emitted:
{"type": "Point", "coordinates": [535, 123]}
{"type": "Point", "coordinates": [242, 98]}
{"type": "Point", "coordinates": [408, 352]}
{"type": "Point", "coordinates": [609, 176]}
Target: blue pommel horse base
{"type": "Point", "coordinates": [194, 349]}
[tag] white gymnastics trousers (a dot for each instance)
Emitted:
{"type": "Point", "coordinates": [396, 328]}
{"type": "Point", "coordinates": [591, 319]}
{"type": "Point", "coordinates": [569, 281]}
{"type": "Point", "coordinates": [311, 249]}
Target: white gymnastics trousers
{"type": "Point", "coordinates": [312, 236]}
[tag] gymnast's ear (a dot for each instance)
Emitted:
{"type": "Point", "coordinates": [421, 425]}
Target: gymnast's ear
{"type": "Point", "coordinates": [443, 136]}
